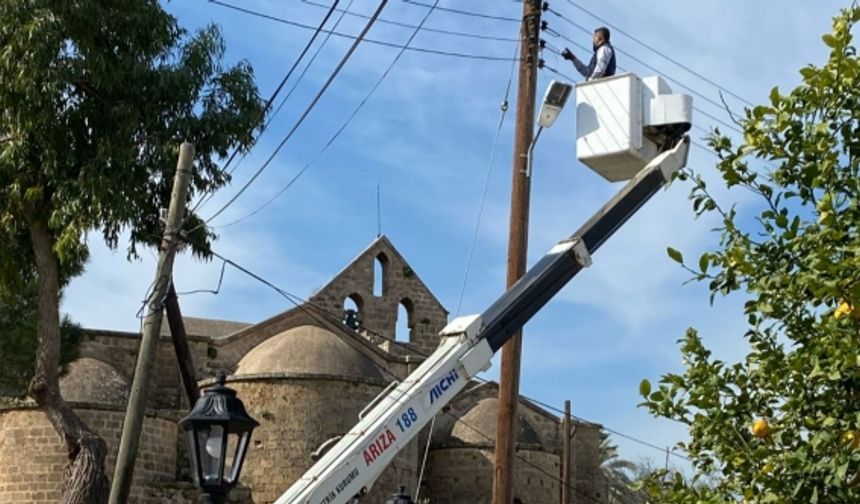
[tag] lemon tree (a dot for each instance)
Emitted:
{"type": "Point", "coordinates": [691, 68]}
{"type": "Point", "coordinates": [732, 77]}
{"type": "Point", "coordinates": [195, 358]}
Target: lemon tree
{"type": "Point", "coordinates": [783, 425]}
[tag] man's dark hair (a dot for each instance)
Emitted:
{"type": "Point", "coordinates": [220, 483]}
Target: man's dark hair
{"type": "Point", "coordinates": [604, 32]}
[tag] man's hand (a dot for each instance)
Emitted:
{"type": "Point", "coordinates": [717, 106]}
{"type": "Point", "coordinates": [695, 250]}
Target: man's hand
{"type": "Point", "coordinates": [566, 54]}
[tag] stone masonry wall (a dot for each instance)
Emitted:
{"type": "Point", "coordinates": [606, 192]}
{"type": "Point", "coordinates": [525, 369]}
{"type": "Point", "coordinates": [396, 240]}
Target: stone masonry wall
{"type": "Point", "coordinates": [465, 475]}
{"type": "Point", "coordinates": [586, 477]}
{"type": "Point", "coordinates": [296, 416]}
{"type": "Point", "coordinates": [399, 284]}
{"type": "Point", "coordinates": [33, 456]}
{"type": "Point", "coordinates": [120, 351]}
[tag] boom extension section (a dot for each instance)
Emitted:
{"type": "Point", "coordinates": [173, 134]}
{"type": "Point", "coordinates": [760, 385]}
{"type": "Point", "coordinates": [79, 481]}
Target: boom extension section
{"type": "Point", "coordinates": [348, 470]}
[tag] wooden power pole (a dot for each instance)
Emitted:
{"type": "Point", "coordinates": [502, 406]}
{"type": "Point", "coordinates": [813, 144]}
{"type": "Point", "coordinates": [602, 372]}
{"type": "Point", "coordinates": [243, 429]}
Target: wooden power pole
{"type": "Point", "coordinates": [565, 454]}
{"type": "Point", "coordinates": [145, 367]}
{"type": "Point", "coordinates": [509, 382]}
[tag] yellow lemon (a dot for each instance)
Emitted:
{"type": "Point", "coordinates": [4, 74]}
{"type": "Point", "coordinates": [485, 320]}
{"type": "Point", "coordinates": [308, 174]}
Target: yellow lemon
{"type": "Point", "coordinates": [843, 310]}
{"type": "Point", "coordinates": [760, 428]}
{"type": "Point", "coordinates": [851, 439]}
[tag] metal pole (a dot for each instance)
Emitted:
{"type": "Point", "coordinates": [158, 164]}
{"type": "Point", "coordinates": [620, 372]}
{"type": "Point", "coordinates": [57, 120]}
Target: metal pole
{"type": "Point", "coordinates": [145, 366]}
{"type": "Point", "coordinates": [565, 454]}
{"type": "Point", "coordinates": [509, 382]}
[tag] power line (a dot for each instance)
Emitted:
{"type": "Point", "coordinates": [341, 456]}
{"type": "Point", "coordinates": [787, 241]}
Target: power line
{"type": "Point", "coordinates": [490, 163]}
{"type": "Point", "coordinates": [467, 13]}
{"type": "Point", "coordinates": [657, 51]}
{"type": "Point", "coordinates": [342, 127]}
{"type": "Point", "coordinates": [425, 28]}
{"type": "Point", "coordinates": [296, 24]}
{"type": "Point", "coordinates": [303, 73]}
{"type": "Point", "coordinates": [274, 94]}
{"type": "Point", "coordinates": [307, 111]}
{"type": "Point", "coordinates": [698, 109]}
{"type": "Point", "coordinates": [521, 458]}
{"type": "Point", "coordinates": [306, 304]}
{"type": "Point", "coordinates": [607, 429]}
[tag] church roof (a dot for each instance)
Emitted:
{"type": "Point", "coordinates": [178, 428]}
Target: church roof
{"type": "Point", "coordinates": [477, 426]}
{"type": "Point", "coordinates": [90, 380]}
{"type": "Point", "coordinates": [307, 349]}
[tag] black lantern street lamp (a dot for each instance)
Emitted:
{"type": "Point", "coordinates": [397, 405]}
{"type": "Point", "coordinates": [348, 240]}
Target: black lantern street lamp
{"type": "Point", "coordinates": [400, 497]}
{"type": "Point", "coordinates": [217, 431]}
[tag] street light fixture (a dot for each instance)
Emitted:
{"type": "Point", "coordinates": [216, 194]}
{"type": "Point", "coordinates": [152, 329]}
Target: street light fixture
{"type": "Point", "coordinates": [554, 99]}
{"type": "Point", "coordinates": [218, 431]}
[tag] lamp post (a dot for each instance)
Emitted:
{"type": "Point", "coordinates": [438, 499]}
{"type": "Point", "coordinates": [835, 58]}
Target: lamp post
{"type": "Point", "coordinates": [217, 432]}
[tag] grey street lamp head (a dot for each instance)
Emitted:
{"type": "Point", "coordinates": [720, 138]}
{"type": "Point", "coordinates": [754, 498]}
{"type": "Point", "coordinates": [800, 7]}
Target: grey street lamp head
{"type": "Point", "coordinates": [553, 101]}
{"type": "Point", "coordinates": [218, 432]}
{"type": "Point", "coordinates": [400, 497]}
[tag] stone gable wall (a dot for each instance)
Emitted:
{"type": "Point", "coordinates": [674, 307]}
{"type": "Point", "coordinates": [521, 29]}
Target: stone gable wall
{"type": "Point", "coordinates": [379, 313]}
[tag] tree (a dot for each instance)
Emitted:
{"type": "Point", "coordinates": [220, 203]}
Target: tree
{"type": "Point", "coordinates": [617, 472]}
{"type": "Point", "coordinates": [18, 316]}
{"type": "Point", "coordinates": [783, 425]}
{"type": "Point", "coordinates": [96, 97]}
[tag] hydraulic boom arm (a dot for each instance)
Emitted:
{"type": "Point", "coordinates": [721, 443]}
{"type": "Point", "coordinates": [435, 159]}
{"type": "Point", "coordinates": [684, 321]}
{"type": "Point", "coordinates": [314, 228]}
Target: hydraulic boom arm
{"type": "Point", "coordinates": [351, 466]}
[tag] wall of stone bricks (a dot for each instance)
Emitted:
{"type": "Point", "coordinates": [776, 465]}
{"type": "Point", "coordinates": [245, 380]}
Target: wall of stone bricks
{"type": "Point", "coordinates": [379, 313]}
{"type": "Point", "coordinates": [298, 414]}
{"type": "Point", "coordinates": [33, 456]}
{"type": "Point", "coordinates": [120, 351]}
{"type": "Point", "coordinates": [586, 477]}
{"type": "Point", "coordinates": [465, 475]}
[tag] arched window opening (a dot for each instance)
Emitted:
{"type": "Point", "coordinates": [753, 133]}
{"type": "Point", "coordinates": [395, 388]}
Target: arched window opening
{"type": "Point", "coordinates": [403, 330]}
{"type": "Point", "coordinates": [380, 275]}
{"type": "Point", "coordinates": [352, 311]}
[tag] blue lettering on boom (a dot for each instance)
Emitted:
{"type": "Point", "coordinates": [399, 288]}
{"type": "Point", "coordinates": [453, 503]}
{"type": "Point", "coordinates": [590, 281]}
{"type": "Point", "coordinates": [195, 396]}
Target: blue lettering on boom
{"type": "Point", "coordinates": [444, 384]}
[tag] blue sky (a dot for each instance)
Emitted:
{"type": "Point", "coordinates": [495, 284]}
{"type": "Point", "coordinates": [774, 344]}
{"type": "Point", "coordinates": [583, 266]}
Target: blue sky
{"type": "Point", "coordinates": [425, 138]}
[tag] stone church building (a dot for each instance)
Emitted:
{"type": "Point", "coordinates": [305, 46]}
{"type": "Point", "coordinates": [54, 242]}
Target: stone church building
{"type": "Point", "coordinates": [305, 374]}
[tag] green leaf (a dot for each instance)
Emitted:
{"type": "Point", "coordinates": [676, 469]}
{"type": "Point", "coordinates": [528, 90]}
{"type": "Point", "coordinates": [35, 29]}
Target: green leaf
{"type": "Point", "coordinates": [774, 95]}
{"type": "Point", "coordinates": [703, 262]}
{"type": "Point", "coordinates": [830, 40]}
{"type": "Point", "coordinates": [645, 388]}
{"type": "Point", "coordinates": [675, 255]}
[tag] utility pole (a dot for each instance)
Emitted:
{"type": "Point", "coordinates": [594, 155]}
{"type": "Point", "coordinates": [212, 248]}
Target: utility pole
{"type": "Point", "coordinates": [145, 366]}
{"type": "Point", "coordinates": [509, 382]}
{"type": "Point", "coordinates": [565, 455]}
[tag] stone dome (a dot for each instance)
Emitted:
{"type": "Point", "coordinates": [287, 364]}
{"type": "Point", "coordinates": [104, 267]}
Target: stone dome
{"type": "Point", "coordinates": [478, 427]}
{"type": "Point", "coordinates": [307, 350]}
{"type": "Point", "coordinates": [90, 380]}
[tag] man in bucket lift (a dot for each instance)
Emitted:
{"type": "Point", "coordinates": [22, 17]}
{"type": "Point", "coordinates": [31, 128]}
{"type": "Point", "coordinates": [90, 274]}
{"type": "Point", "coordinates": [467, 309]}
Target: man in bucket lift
{"type": "Point", "coordinates": [602, 62]}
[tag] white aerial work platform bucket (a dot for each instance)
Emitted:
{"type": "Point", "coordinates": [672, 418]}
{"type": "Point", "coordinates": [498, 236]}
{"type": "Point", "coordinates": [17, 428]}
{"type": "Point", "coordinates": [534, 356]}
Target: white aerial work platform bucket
{"type": "Point", "coordinates": [623, 122]}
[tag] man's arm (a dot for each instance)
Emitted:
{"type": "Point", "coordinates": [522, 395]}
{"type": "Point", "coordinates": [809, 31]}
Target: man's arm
{"type": "Point", "coordinates": [580, 67]}
{"type": "Point", "coordinates": [604, 54]}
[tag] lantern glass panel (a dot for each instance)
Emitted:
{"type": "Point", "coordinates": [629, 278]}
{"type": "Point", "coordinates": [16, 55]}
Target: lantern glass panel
{"type": "Point", "coordinates": [239, 445]}
{"type": "Point", "coordinates": [210, 449]}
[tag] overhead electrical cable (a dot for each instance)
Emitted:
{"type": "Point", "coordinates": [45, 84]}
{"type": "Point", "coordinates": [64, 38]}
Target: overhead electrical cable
{"type": "Point", "coordinates": [307, 111]}
{"type": "Point", "coordinates": [697, 109]}
{"type": "Point", "coordinates": [274, 95]}
{"type": "Point", "coordinates": [308, 306]}
{"type": "Point", "coordinates": [662, 54]}
{"type": "Point", "coordinates": [342, 127]}
{"type": "Point", "coordinates": [468, 13]}
{"type": "Point", "coordinates": [302, 74]}
{"type": "Point", "coordinates": [490, 163]}
{"type": "Point", "coordinates": [650, 67]}
{"type": "Point", "coordinates": [425, 28]}
{"type": "Point", "coordinates": [367, 40]}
